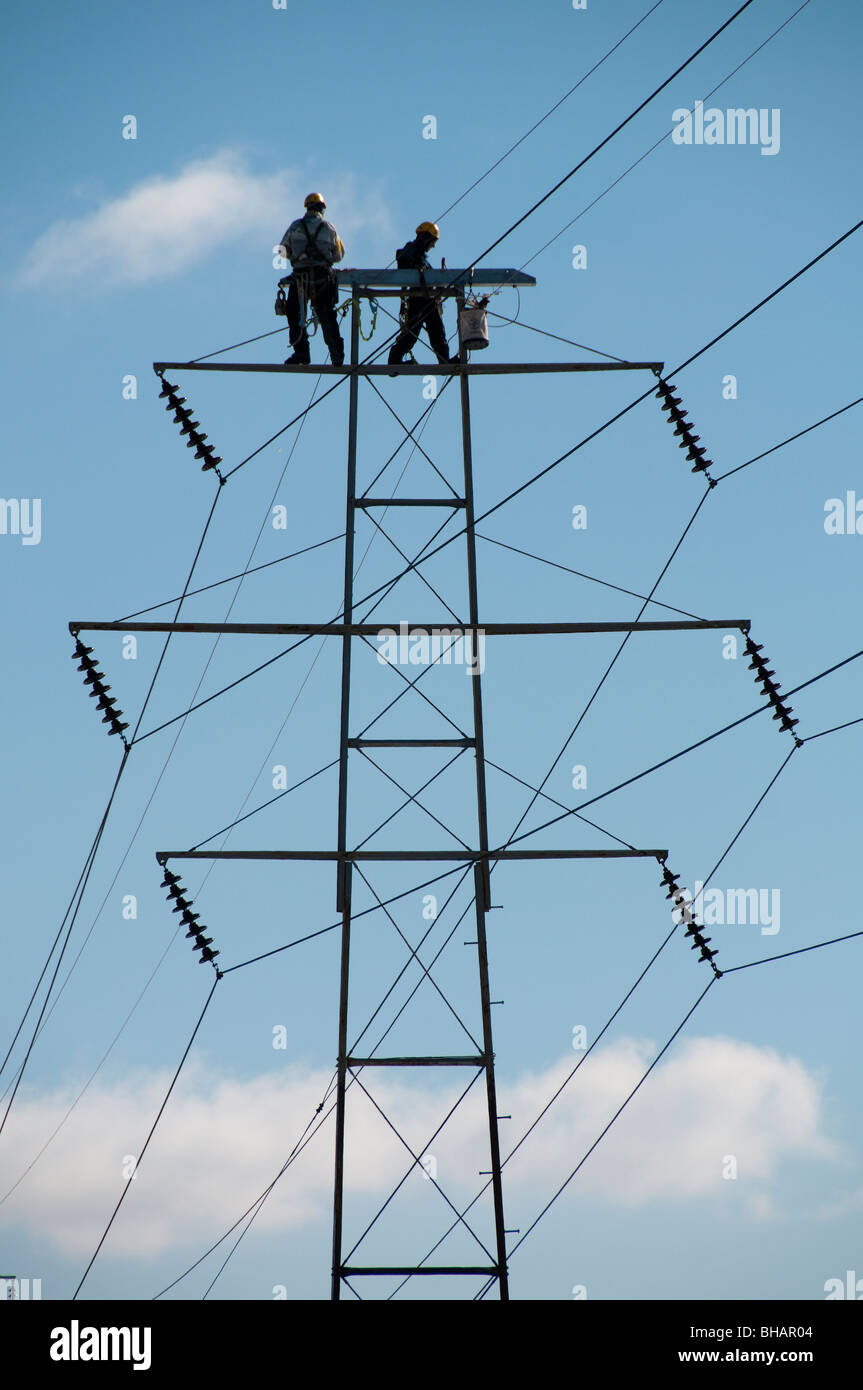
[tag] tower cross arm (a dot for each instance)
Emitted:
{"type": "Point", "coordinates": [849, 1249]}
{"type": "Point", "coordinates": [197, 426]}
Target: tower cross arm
{"type": "Point", "coordinates": [454, 280]}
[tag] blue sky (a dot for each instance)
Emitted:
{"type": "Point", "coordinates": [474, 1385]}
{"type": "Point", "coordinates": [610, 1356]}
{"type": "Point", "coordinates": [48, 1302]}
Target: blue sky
{"type": "Point", "coordinates": [125, 251]}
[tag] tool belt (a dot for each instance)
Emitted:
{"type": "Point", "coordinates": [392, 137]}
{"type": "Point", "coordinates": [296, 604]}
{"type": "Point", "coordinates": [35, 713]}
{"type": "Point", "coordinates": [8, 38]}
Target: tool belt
{"type": "Point", "coordinates": [314, 284]}
{"type": "Point", "coordinates": [317, 282]}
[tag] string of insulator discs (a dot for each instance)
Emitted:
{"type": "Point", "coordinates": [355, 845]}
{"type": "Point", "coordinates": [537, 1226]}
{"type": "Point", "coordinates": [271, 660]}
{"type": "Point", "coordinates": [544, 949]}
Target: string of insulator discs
{"type": "Point", "coordinates": [189, 919]}
{"type": "Point", "coordinates": [700, 942]}
{"type": "Point", "coordinates": [183, 417]}
{"type": "Point", "coordinates": [782, 711]}
{"type": "Point", "coordinates": [98, 690]}
{"type": "Point", "coordinates": [671, 404]}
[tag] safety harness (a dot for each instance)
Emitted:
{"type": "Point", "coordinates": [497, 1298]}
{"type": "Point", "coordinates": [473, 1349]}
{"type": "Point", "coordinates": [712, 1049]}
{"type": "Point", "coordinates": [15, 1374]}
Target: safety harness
{"type": "Point", "coordinates": [423, 290]}
{"type": "Point", "coordinates": [312, 242]}
{"type": "Point", "coordinates": [303, 275]}
{"type": "Point", "coordinates": [299, 276]}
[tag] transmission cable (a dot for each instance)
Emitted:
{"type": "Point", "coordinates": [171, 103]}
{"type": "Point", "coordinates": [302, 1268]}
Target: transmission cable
{"type": "Point", "coordinates": [660, 141]}
{"type": "Point", "coordinates": [245, 342]}
{"type": "Point", "coordinates": [422, 422]}
{"type": "Point", "coordinates": [548, 113]}
{"type": "Point", "coordinates": [378, 352]}
{"type": "Point", "coordinates": [80, 889]}
{"type": "Point", "coordinates": [615, 1013]}
{"type": "Point", "coordinates": [532, 209]}
{"type": "Point", "coordinates": [790, 439]}
{"type": "Point", "coordinates": [567, 569]}
{"type": "Point", "coordinates": [334, 926]}
{"type": "Point", "coordinates": [95, 1072]}
{"type": "Point", "coordinates": [608, 669]}
{"type": "Point", "coordinates": [545, 796]}
{"type": "Point", "coordinates": [692, 747]}
{"type": "Point", "coordinates": [306, 1137]}
{"type": "Point", "coordinates": [200, 682]}
{"type": "Point", "coordinates": [88, 867]}
{"type": "Point", "coordinates": [834, 730]}
{"type": "Point", "coordinates": [679, 1029]}
{"type": "Point", "coordinates": [728, 971]}
{"type": "Point", "coordinates": [570, 342]}
{"type": "Point", "coordinates": [801, 951]}
{"type": "Point", "coordinates": [294, 645]}
{"type": "Point", "coordinates": [581, 163]}
{"type": "Point", "coordinates": [748, 1]}
{"type": "Point", "coordinates": [252, 1211]}
{"type": "Point", "coordinates": [255, 569]}
{"type": "Point", "coordinates": [464, 872]}
{"type": "Point", "coordinates": [149, 1136]}
{"type": "Point", "coordinates": [757, 711]}
{"type": "Point", "coordinates": [83, 879]}
{"type": "Point", "coordinates": [422, 557]}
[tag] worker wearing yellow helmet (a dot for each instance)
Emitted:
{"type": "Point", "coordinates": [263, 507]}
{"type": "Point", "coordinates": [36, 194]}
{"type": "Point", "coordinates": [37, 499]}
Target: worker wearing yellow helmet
{"type": "Point", "coordinates": [312, 246]}
{"type": "Point", "coordinates": [420, 307]}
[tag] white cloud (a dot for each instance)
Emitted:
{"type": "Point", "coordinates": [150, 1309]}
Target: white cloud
{"type": "Point", "coordinates": [715, 1097]}
{"type": "Point", "coordinates": [221, 1141]}
{"type": "Point", "coordinates": [165, 224]}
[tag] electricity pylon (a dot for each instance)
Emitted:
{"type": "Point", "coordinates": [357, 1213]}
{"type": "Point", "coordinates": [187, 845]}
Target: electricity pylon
{"type": "Point", "coordinates": [460, 642]}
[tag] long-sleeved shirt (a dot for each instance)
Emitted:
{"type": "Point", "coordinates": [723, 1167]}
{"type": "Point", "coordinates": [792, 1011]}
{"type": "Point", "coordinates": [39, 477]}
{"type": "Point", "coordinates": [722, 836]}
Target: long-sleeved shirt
{"type": "Point", "coordinates": [412, 256]}
{"type": "Point", "coordinates": [326, 248]}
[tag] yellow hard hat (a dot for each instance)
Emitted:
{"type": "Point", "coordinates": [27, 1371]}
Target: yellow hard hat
{"type": "Point", "coordinates": [313, 200]}
{"type": "Point", "coordinates": [430, 227]}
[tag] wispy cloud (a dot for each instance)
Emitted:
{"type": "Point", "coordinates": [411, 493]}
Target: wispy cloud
{"type": "Point", "coordinates": [163, 225]}
{"type": "Point", "coordinates": [221, 1141]}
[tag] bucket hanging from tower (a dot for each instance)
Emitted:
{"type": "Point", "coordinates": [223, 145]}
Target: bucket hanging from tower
{"type": "Point", "coordinates": [473, 324]}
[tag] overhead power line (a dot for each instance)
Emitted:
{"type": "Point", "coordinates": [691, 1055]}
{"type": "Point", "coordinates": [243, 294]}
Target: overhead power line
{"type": "Point", "coordinates": [663, 137]}
{"type": "Point", "coordinates": [801, 951]}
{"type": "Point", "coordinates": [146, 1145]}
{"type": "Point", "coordinates": [631, 117]}
{"type": "Point", "coordinates": [718, 31]}
{"type": "Point", "coordinates": [74, 905]}
{"type": "Point", "coordinates": [243, 574]}
{"type": "Point", "coordinates": [616, 1012]}
{"type": "Point", "coordinates": [791, 438]}
{"type": "Point", "coordinates": [252, 1210]}
{"type": "Point", "coordinates": [834, 730]}
{"type": "Point", "coordinates": [586, 1155]}
{"type": "Point", "coordinates": [726, 728]}
{"type": "Point", "coordinates": [377, 352]}
{"type": "Point", "coordinates": [186, 594]}
{"type": "Point", "coordinates": [425, 555]}
{"type": "Point", "coordinates": [336, 385]}
{"type": "Point", "coordinates": [550, 112]}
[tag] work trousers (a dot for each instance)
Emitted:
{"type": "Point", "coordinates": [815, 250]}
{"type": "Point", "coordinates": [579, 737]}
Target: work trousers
{"type": "Point", "coordinates": [423, 312]}
{"type": "Point", "coordinates": [322, 294]}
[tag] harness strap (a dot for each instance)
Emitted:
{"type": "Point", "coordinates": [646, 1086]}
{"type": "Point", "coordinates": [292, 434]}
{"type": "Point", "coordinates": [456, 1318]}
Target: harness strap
{"type": "Point", "coordinates": [312, 240]}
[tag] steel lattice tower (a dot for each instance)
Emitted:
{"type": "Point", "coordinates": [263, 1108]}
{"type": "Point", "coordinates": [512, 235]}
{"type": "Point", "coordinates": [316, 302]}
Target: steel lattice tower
{"type": "Point", "coordinates": [372, 284]}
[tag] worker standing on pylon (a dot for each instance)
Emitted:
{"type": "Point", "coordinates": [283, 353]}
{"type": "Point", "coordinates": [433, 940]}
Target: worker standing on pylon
{"type": "Point", "coordinates": [313, 246]}
{"type": "Point", "coordinates": [420, 307]}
